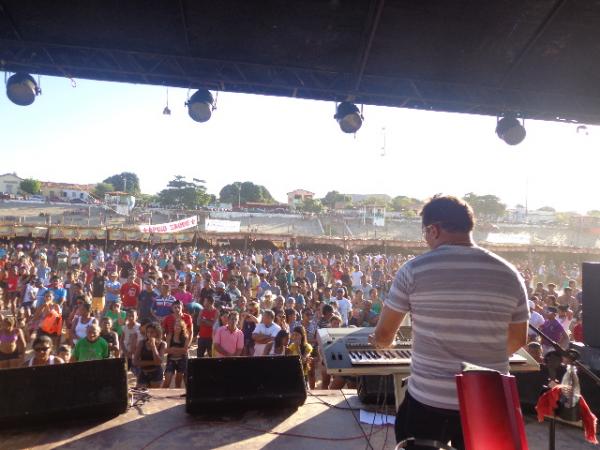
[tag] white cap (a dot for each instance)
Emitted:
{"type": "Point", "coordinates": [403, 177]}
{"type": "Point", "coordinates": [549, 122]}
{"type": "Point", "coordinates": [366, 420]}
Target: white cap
{"type": "Point", "coordinates": [531, 304]}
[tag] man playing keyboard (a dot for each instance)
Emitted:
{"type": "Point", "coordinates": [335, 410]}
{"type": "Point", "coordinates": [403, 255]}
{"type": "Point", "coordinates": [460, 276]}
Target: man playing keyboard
{"type": "Point", "coordinates": [466, 304]}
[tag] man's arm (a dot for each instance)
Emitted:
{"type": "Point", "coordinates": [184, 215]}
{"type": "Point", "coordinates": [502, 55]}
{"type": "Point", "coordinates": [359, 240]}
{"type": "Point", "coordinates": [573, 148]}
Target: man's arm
{"type": "Point", "coordinates": [217, 344]}
{"type": "Point", "coordinates": [517, 336]}
{"type": "Point", "coordinates": [386, 328]}
{"type": "Point", "coordinates": [239, 345]}
{"type": "Point", "coordinates": [261, 338]}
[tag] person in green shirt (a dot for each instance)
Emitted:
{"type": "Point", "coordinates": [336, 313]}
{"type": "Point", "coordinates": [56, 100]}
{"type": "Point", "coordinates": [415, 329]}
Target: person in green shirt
{"type": "Point", "coordinates": [84, 256]}
{"type": "Point", "coordinates": [92, 347]}
{"type": "Point", "coordinates": [117, 316]}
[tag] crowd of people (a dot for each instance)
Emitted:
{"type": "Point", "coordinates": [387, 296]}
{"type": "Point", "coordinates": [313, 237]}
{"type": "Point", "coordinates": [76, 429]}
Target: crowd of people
{"type": "Point", "coordinates": [158, 306]}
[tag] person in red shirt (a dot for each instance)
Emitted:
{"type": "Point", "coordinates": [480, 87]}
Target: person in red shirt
{"type": "Point", "coordinates": [129, 293]}
{"type": "Point", "coordinates": [12, 288]}
{"type": "Point", "coordinates": [206, 320]}
{"type": "Point", "coordinates": [177, 315]}
{"type": "Point", "coordinates": [577, 334]}
{"type": "Point", "coordinates": [336, 272]}
{"type": "Point", "coordinates": [89, 274]}
{"type": "Point", "coordinates": [139, 269]}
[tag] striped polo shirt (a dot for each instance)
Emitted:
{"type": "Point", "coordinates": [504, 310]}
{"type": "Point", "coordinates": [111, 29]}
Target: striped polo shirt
{"type": "Point", "coordinates": [461, 300]}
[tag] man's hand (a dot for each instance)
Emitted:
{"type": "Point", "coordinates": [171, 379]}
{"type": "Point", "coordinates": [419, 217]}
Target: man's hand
{"type": "Point", "coordinates": [387, 326]}
{"type": "Point", "coordinates": [372, 341]}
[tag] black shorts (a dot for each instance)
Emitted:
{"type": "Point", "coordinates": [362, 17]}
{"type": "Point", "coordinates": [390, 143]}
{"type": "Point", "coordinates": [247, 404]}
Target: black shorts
{"type": "Point", "coordinates": [9, 356]}
{"type": "Point", "coordinates": [176, 365]}
{"type": "Point", "coordinates": [146, 377]}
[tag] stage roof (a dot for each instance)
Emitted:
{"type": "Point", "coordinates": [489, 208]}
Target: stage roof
{"type": "Point", "coordinates": [540, 58]}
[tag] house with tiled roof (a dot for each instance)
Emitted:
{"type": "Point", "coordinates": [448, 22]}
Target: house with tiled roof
{"type": "Point", "coordinates": [9, 183]}
{"type": "Point", "coordinates": [66, 192]}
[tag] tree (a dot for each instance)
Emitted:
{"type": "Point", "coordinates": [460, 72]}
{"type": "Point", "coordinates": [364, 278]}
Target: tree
{"type": "Point", "coordinates": [243, 192]}
{"type": "Point", "coordinates": [310, 205]}
{"type": "Point", "coordinates": [31, 186]}
{"type": "Point", "coordinates": [486, 207]}
{"type": "Point", "coordinates": [101, 189]}
{"type": "Point", "coordinates": [566, 216]}
{"type": "Point", "coordinates": [403, 203]}
{"type": "Point", "coordinates": [145, 200]}
{"type": "Point", "coordinates": [547, 208]}
{"type": "Point", "coordinates": [125, 182]}
{"type": "Point", "coordinates": [333, 197]}
{"type": "Point", "coordinates": [184, 194]}
{"type": "Point", "coordinates": [594, 213]}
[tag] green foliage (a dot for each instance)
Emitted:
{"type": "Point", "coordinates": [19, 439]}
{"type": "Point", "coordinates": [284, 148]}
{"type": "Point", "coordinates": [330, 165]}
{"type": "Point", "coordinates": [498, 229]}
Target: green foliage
{"type": "Point", "coordinates": [403, 203]}
{"type": "Point", "coordinates": [125, 182]}
{"type": "Point", "coordinates": [31, 186]}
{"type": "Point", "coordinates": [565, 217]}
{"type": "Point", "coordinates": [102, 188]}
{"type": "Point", "coordinates": [333, 197]}
{"type": "Point", "coordinates": [547, 208]}
{"type": "Point", "coordinates": [144, 200]}
{"type": "Point", "coordinates": [487, 207]}
{"type": "Point", "coordinates": [184, 194]}
{"type": "Point", "coordinates": [243, 192]}
{"type": "Point", "coordinates": [594, 213]}
{"type": "Point", "coordinates": [310, 205]}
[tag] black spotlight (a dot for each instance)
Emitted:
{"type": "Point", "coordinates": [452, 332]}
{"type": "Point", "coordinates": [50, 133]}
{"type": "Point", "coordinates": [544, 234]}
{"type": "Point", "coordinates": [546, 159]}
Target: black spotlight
{"type": "Point", "coordinates": [201, 105]}
{"type": "Point", "coordinates": [349, 117]}
{"type": "Point", "coordinates": [22, 89]}
{"type": "Point", "coordinates": [510, 130]}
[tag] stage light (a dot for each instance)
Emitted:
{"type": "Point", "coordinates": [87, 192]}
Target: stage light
{"type": "Point", "coordinates": [510, 130]}
{"type": "Point", "coordinates": [349, 117]}
{"type": "Point", "coordinates": [201, 105]}
{"type": "Point", "coordinates": [22, 89]}
{"type": "Point", "coordinates": [167, 111]}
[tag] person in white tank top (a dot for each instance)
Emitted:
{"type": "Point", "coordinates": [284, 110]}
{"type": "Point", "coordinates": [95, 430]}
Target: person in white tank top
{"type": "Point", "coordinates": [80, 323]}
{"type": "Point", "coordinates": [42, 348]}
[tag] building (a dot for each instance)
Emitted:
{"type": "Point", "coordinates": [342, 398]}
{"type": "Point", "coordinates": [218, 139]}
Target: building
{"type": "Point", "coordinates": [521, 215]}
{"type": "Point", "coordinates": [9, 183]}
{"type": "Point", "coordinates": [298, 196]}
{"type": "Point", "coordinates": [66, 192]}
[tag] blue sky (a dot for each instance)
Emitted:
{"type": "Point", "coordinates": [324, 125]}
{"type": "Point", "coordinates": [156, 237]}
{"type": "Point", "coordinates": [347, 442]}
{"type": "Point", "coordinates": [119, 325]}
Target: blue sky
{"type": "Point", "coordinates": [87, 133]}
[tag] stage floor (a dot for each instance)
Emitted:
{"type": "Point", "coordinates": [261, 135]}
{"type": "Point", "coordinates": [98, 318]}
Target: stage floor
{"type": "Point", "coordinates": [161, 423]}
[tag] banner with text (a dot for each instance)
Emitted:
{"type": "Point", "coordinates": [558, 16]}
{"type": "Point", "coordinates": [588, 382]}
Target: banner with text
{"type": "Point", "coordinates": [222, 226]}
{"type": "Point", "coordinates": [170, 227]}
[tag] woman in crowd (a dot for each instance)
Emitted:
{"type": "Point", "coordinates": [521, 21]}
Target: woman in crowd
{"type": "Point", "coordinates": [42, 353]}
{"type": "Point", "coordinates": [12, 344]}
{"type": "Point", "coordinates": [280, 319]}
{"type": "Point", "coordinates": [310, 326]}
{"type": "Point", "coordinates": [149, 356]}
{"type": "Point", "coordinates": [178, 344]}
{"type": "Point", "coordinates": [48, 319]}
{"type": "Point", "coordinates": [82, 321]}
{"type": "Point", "coordinates": [302, 348]}
{"type": "Point", "coordinates": [279, 345]}
{"type": "Point", "coordinates": [249, 319]}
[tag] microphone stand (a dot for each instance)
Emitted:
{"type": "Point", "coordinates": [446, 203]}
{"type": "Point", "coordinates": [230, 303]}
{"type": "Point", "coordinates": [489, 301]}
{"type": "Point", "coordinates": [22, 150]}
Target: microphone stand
{"type": "Point", "coordinates": [572, 356]}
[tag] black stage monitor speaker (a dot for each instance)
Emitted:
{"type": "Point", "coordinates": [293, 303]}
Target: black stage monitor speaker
{"type": "Point", "coordinates": [91, 389]}
{"type": "Point", "coordinates": [244, 383]}
{"type": "Point", "coordinates": [590, 303]}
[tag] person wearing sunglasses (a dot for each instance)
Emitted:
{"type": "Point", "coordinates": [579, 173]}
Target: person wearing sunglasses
{"type": "Point", "coordinates": [42, 353]}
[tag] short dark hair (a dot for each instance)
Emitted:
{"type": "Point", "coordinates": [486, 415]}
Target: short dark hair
{"type": "Point", "coordinates": [327, 309]}
{"type": "Point", "coordinates": [451, 213]}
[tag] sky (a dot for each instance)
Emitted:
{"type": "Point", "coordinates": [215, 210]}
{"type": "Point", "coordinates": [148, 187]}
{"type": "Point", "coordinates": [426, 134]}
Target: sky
{"type": "Point", "coordinates": [87, 133]}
